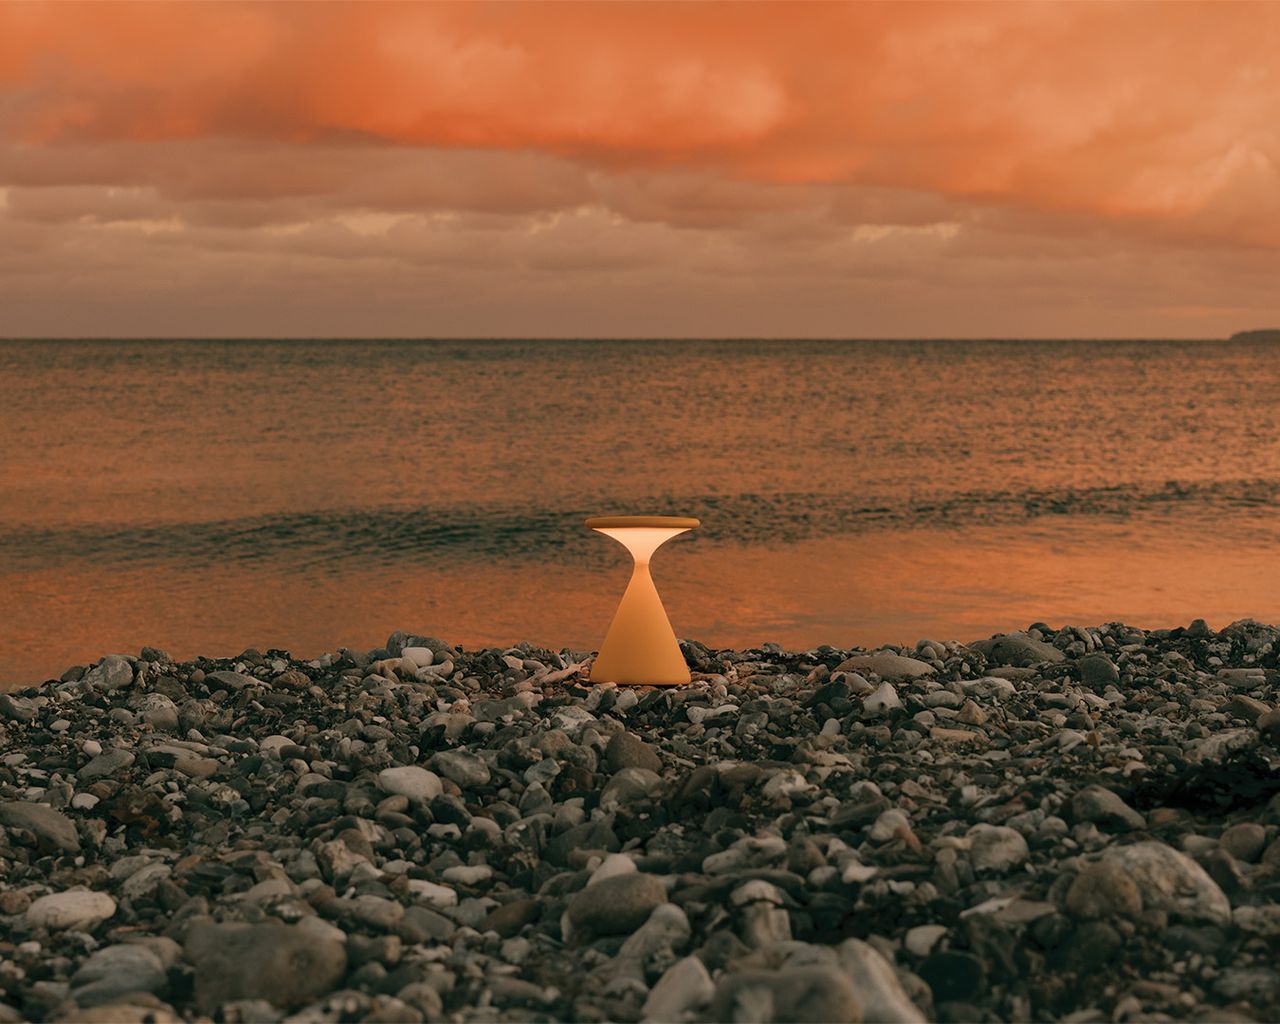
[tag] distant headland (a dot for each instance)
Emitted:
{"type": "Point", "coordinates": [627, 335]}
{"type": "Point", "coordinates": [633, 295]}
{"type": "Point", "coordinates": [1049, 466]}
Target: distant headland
{"type": "Point", "coordinates": [1261, 334]}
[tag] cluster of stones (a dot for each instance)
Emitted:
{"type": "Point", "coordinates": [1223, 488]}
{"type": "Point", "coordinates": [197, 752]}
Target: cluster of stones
{"type": "Point", "coordinates": [1075, 824]}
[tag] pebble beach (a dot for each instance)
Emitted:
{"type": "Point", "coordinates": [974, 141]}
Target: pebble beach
{"type": "Point", "coordinates": [1068, 824]}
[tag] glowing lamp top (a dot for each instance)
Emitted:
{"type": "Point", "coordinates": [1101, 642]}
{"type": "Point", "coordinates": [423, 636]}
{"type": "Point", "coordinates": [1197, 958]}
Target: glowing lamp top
{"type": "Point", "coordinates": [641, 522]}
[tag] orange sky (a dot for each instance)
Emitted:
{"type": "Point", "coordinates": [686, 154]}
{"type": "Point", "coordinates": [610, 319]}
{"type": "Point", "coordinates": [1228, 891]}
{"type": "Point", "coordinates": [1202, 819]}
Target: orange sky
{"type": "Point", "coordinates": [1015, 169]}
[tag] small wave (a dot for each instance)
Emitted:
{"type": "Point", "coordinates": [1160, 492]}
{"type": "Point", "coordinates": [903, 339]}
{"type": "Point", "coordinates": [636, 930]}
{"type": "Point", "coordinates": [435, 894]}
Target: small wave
{"type": "Point", "coordinates": [316, 540]}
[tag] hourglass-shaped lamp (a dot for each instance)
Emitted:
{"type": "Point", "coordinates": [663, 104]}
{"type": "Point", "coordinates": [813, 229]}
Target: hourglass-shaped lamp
{"type": "Point", "coordinates": [640, 648]}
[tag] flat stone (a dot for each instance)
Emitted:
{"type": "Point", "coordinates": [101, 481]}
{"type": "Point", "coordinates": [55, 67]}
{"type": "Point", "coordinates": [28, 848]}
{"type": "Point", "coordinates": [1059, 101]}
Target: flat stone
{"type": "Point", "coordinates": [887, 665]}
{"type": "Point", "coordinates": [1018, 650]}
{"type": "Point", "coordinates": [467, 770]}
{"type": "Point", "coordinates": [77, 909]}
{"type": "Point", "coordinates": [286, 965]}
{"type": "Point", "coordinates": [626, 750]}
{"type": "Point", "coordinates": [234, 681]}
{"type": "Point", "coordinates": [115, 971]}
{"type": "Point", "coordinates": [416, 783]}
{"type": "Point", "coordinates": [106, 764]}
{"type": "Point", "coordinates": [52, 829]}
{"type": "Point", "coordinates": [944, 735]}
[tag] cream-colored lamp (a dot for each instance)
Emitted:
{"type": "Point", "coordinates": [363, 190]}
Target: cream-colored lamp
{"type": "Point", "coordinates": [640, 648]}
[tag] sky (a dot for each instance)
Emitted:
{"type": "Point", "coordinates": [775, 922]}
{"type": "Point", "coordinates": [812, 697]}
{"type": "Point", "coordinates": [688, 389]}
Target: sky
{"type": "Point", "coordinates": [612, 169]}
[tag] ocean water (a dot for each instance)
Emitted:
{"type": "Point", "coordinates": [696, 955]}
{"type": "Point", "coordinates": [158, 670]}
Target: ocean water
{"type": "Point", "coordinates": [209, 496]}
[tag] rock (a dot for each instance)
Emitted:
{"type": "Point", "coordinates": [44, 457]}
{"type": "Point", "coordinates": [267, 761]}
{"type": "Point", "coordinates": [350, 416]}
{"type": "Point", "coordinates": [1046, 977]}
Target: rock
{"type": "Point", "coordinates": [1244, 841]}
{"type": "Point", "coordinates": [1269, 725]}
{"type": "Point", "coordinates": [1103, 889]}
{"type": "Point", "coordinates": [796, 994]}
{"type": "Point", "coordinates": [921, 939]}
{"type": "Point", "coordinates": [114, 672]}
{"type": "Point", "coordinates": [944, 735]}
{"type": "Point", "coordinates": [626, 750]}
{"type": "Point", "coordinates": [159, 712]}
{"type": "Point", "coordinates": [77, 909]}
{"type": "Point", "coordinates": [233, 681]}
{"type": "Point", "coordinates": [415, 658]}
{"type": "Point", "coordinates": [763, 919]}
{"type": "Point", "coordinates": [467, 770]}
{"type": "Point", "coordinates": [418, 784]}
{"type": "Point", "coordinates": [285, 965]}
{"type": "Point", "coordinates": [545, 868]}
{"type": "Point", "coordinates": [1245, 707]}
{"type": "Point", "coordinates": [881, 701]}
{"type": "Point", "coordinates": [510, 918]}
{"type": "Point", "coordinates": [116, 971]}
{"type": "Point", "coordinates": [886, 665]}
{"type": "Point", "coordinates": [629, 785]}
{"type": "Point", "coordinates": [1018, 650]}
{"type": "Point", "coordinates": [684, 988]}
{"type": "Point", "coordinates": [876, 984]}
{"type": "Point", "coordinates": [106, 764]}
{"type": "Point", "coordinates": [617, 905]}
{"type": "Point", "coordinates": [1106, 809]}
{"type": "Point", "coordinates": [1097, 671]}
{"type": "Point", "coordinates": [52, 829]}
{"type": "Point", "coordinates": [1173, 882]}
{"type": "Point", "coordinates": [996, 847]}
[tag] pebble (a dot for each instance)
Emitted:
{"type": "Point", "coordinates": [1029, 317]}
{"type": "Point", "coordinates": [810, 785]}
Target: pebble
{"type": "Point", "coordinates": [625, 750]}
{"type": "Point", "coordinates": [283, 965]}
{"type": "Point", "coordinates": [481, 835]}
{"type": "Point", "coordinates": [877, 984]}
{"type": "Point", "coordinates": [617, 905]}
{"type": "Point", "coordinates": [1105, 809]}
{"type": "Point", "coordinates": [115, 971]}
{"type": "Point", "coordinates": [418, 784]}
{"type": "Point", "coordinates": [1097, 671]}
{"type": "Point", "coordinates": [52, 829]}
{"type": "Point", "coordinates": [996, 847]}
{"type": "Point", "coordinates": [887, 665]}
{"type": "Point", "coordinates": [463, 769]}
{"type": "Point", "coordinates": [684, 988]}
{"type": "Point", "coordinates": [1244, 841]}
{"type": "Point", "coordinates": [881, 700]}
{"type": "Point", "coordinates": [77, 909]}
{"type": "Point", "coordinates": [794, 995]}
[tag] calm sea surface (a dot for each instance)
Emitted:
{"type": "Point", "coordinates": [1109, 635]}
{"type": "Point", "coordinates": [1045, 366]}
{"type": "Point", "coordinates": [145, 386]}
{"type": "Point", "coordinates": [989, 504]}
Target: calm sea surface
{"type": "Point", "coordinates": [205, 497]}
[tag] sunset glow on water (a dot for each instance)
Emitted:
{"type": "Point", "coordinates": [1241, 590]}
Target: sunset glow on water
{"type": "Point", "coordinates": [205, 497]}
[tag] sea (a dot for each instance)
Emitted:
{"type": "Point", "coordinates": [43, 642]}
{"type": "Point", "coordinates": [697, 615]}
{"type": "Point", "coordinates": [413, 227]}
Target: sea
{"type": "Point", "coordinates": [206, 497]}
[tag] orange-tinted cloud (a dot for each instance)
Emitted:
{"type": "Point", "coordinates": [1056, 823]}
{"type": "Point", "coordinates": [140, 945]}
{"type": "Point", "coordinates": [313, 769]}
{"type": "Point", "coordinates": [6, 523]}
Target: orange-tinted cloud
{"type": "Point", "coordinates": [764, 138]}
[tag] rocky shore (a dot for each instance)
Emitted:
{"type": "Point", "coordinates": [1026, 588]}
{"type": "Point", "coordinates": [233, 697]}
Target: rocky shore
{"type": "Point", "coordinates": [1057, 824]}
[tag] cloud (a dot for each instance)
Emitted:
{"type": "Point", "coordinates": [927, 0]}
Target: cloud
{"type": "Point", "coordinates": [770, 162]}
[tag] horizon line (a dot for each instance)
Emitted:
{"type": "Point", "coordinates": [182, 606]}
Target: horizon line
{"type": "Point", "coordinates": [584, 338]}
